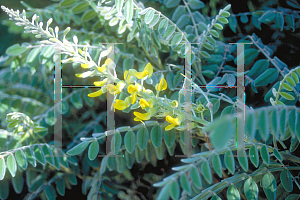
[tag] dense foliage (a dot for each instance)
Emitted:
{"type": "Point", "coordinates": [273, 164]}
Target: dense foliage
{"type": "Point", "coordinates": [148, 83]}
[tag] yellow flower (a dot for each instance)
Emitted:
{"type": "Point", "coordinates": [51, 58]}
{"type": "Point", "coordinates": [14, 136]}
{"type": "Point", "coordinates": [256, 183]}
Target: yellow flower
{"type": "Point", "coordinates": [174, 122]}
{"type": "Point", "coordinates": [104, 66]}
{"type": "Point", "coordinates": [144, 103]}
{"type": "Point", "coordinates": [100, 83]}
{"type": "Point", "coordinates": [162, 85]}
{"type": "Point", "coordinates": [148, 71]}
{"type": "Point", "coordinates": [121, 104]}
{"type": "Point", "coordinates": [144, 116]}
{"type": "Point", "coordinates": [116, 89]}
{"type": "Point", "coordinates": [133, 89]}
{"type": "Point", "coordinates": [98, 93]}
{"type": "Point", "coordinates": [128, 75]}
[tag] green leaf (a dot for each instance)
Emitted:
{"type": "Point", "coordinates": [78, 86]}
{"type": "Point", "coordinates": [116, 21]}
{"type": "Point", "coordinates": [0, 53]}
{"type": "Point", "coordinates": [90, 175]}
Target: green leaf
{"type": "Point", "coordinates": [129, 159]}
{"type": "Point", "coordinates": [195, 177]}
{"type": "Point", "coordinates": [142, 138]}
{"type": "Point", "coordinates": [290, 81]}
{"type": "Point", "coordinates": [218, 26]}
{"type": "Point", "coordinates": [185, 184]}
{"type": "Point", "coordinates": [119, 5]}
{"type": "Point", "coordinates": [93, 150]}
{"type": "Point", "coordinates": [232, 23]}
{"type": "Point", "coordinates": [183, 21]}
{"type": "Point", "coordinates": [204, 54]}
{"type": "Point", "coordinates": [174, 190]}
{"type": "Point", "coordinates": [149, 16]}
{"type": "Point", "coordinates": [67, 3]}
{"type": "Point", "coordinates": [253, 154]}
{"type": "Point", "coordinates": [292, 120]}
{"type": "Point", "coordinates": [249, 55]}
{"type": "Point", "coordinates": [156, 136]}
{"type": "Point", "coordinates": [229, 161]}
{"type": "Point", "coordinates": [293, 197]}
{"type": "Point", "coordinates": [11, 165]}
{"type": "Point", "coordinates": [244, 19]}
{"type": "Point", "coordinates": [121, 164]}
{"type": "Point", "coordinates": [39, 154]}
{"type": "Point", "coordinates": [216, 197]}
{"type": "Point", "coordinates": [129, 141]}
{"type": "Point", "coordinates": [18, 182]}
{"type": "Point", "coordinates": [4, 189]}
{"type": "Point", "coordinates": [149, 151]}
{"type": "Point", "coordinates": [286, 180]}
{"type": "Point", "coordinates": [113, 21]}
{"type": "Point", "coordinates": [277, 154]}
{"type": "Point", "coordinates": [78, 148]}
{"type": "Point", "coordinates": [233, 193]}
{"type": "Point", "coordinates": [50, 119]}
{"type": "Point", "coordinates": [218, 129]}
{"type": "Point", "coordinates": [164, 193]}
{"type": "Point", "coordinates": [279, 20]}
{"type": "Point", "coordinates": [80, 7]}
{"type": "Point", "coordinates": [128, 11]}
{"type": "Point", "coordinates": [282, 121]}
{"type": "Point", "coordinates": [168, 33]}
{"type": "Point", "coordinates": [48, 154]}
{"type": "Point", "coordinates": [205, 170]}
{"type": "Point", "coordinates": [172, 3]}
{"type": "Point", "coordinates": [267, 17]}
{"type": "Point", "coordinates": [162, 27]}
{"type": "Point", "coordinates": [295, 77]}
{"type": "Point", "coordinates": [243, 160]}
{"type": "Point", "coordinates": [21, 159]}
{"type": "Point", "coordinates": [265, 154]}
{"type": "Point", "coordinates": [286, 96]}
{"type": "Point", "coordinates": [50, 192]}
{"type": "Point", "coordinates": [88, 15]}
{"type": "Point", "coordinates": [223, 20]}
{"type": "Point", "coordinates": [60, 187]}
{"type": "Point", "coordinates": [263, 124]}
{"type": "Point", "coordinates": [139, 155]}
{"type": "Point", "coordinates": [251, 189]}
{"type": "Point", "coordinates": [269, 186]}
{"type": "Point", "coordinates": [250, 124]}
{"type": "Point", "coordinates": [176, 40]}
{"type": "Point", "coordinates": [217, 165]}
{"type": "Point", "coordinates": [196, 4]}
{"type": "Point", "coordinates": [32, 58]}
{"type": "Point", "coordinates": [116, 143]}
{"type": "Point", "coordinates": [179, 11]}
{"type": "Point", "coordinates": [30, 156]}
{"type": "Point", "coordinates": [214, 33]}
{"type": "Point", "coordinates": [154, 21]}
{"type": "Point", "coordinates": [15, 50]}
{"type": "Point", "coordinates": [160, 151]}
{"type": "Point", "coordinates": [258, 68]}
{"type": "Point", "coordinates": [208, 46]}
{"type": "Point", "coordinates": [76, 100]}
{"type": "Point", "coordinates": [274, 122]}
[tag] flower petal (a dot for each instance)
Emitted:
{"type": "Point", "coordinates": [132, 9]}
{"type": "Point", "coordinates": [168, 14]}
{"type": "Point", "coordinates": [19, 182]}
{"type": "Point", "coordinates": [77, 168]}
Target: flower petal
{"type": "Point", "coordinates": [120, 104]}
{"type": "Point", "coordinates": [149, 68]}
{"type": "Point", "coordinates": [169, 127]}
{"type": "Point", "coordinates": [96, 94]}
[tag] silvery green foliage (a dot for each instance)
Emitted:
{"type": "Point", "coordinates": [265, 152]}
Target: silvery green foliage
{"type": "Point", "coordinates": [147, 34]}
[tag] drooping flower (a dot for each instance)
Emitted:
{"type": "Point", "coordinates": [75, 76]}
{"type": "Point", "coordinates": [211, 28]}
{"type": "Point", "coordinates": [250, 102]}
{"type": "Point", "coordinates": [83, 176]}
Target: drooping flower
{"type": "Point", "coordinates": [100, 83]}
{"type": "Point", "coordinates": [116, 89]}
{"type": "Point", "coordinates": [98, 93]}
{"type": "Point", "coordinates": [104, 66]}
{"type": "Point", "coordinates": [162, 85]}
{"type": "Point", "coordinates": [174, 122]}
{"type": "Point", "coordinates": [144, 103]}
{"type": "Point", "coordinates": [133, 89]}
{"type": "Point", "coordinates": [144, 116]}
{"type": "Point", "coordinates": [174, 104]}
{"type": "Point", "coordinates": [129, 76]}
{"type": "Point", "coordinates": [121, 104]}
{"type": "Point", "coordinates": [148, 71]}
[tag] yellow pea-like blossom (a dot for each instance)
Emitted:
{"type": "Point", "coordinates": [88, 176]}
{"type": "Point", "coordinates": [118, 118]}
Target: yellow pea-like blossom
{"type": "Point", "coordinates": [144, 103]}
{"type": "Point", "coordinates": [174, 122]}
{"type": "Point", "coordinates": [98, 93]}
{"type": "Point", "coordinates": [144, 116]}
{"type": "Point", "coordinates": [148, 71]}
{"type": "Point", "coordinates": [116, 89]}
{"type": "Point", "coordinates": [121, 104]}
{"type": "Point", "coordinates": [128, 75]}
{"type": "Point", "coordinates": [133, 89]}
{"type": "Point", "coordinates": [100, 83]}
{"type": "Point", "coordinates": [104, 66]}
{"type": "Point", "coordinates": [162, 85]}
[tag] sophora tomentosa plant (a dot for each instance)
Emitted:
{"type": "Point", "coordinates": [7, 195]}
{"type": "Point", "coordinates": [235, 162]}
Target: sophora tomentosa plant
{"type": "Point", "coordinates": [149, 88]}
